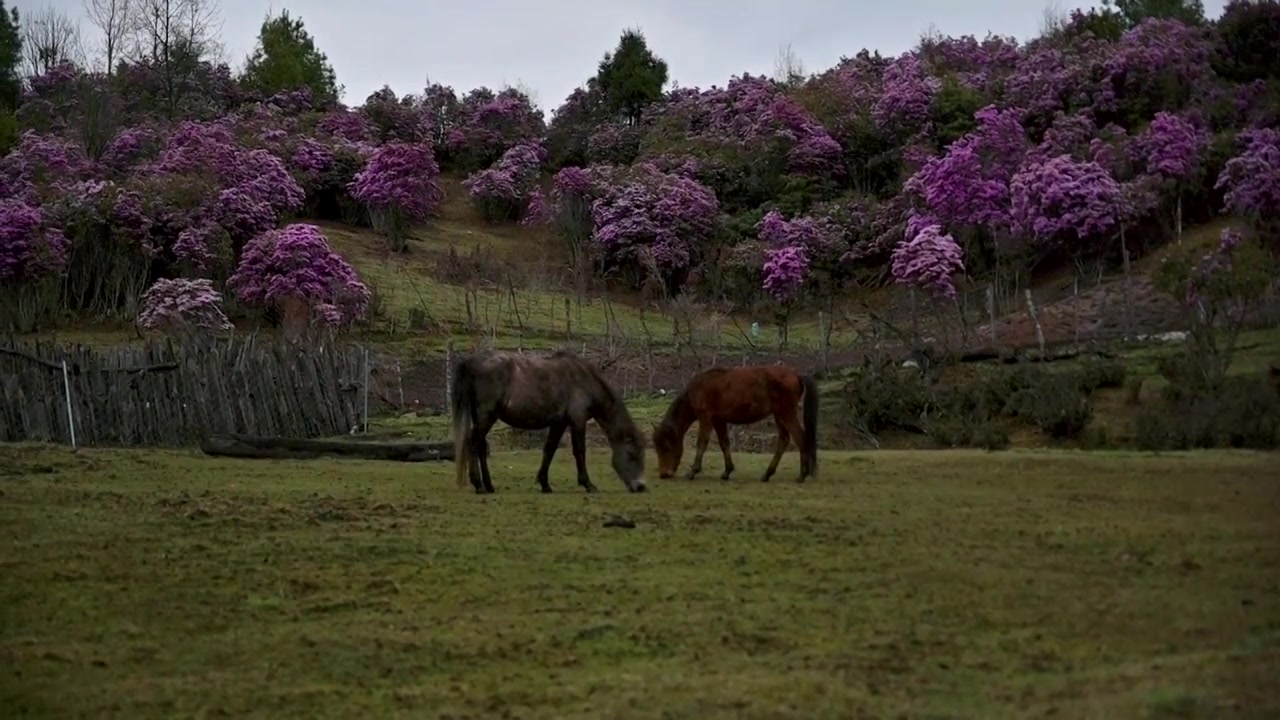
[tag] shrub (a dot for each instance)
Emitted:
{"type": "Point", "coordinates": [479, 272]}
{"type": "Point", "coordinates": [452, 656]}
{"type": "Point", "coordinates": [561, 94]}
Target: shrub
{"type": "Point", "coordinates": [502, 192]}
{"type": "Point", "coordinates": [1242, 413]}
{"type": "Point", "coordinates": [400, 187]}
{"type": "Point", "coordinates": [184, 306]}
{"type": "Point", "coordinates": [294, 272]}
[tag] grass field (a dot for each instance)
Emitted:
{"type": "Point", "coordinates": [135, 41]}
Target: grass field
{"type": "Point", "coordinates": [944, 584]}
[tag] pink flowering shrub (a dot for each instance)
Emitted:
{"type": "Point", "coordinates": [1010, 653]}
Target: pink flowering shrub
{"type": "Point", "coordinates": [295, 272]}
{"type": "Point", "coordinates": [643, 217]}
{"type": "Point", "coordinates": [785, 270]}
{"type": "Point", "coordinates": [969, 184]}
{"type": "Point", "coordinates": [30, 247]}
{"type": "Point", "coordinates": [489, 124]}
{"type": "Point", "coordinates": [1064, 199]}
{"type": "Point", "coordinates": [502, 192]}
{"type": "Point", "coordinates": [400, 187]}
{"type": "Point", "coordinates": [1251, 180]}
{"type": "Point", "coordinates": [1171, 147]}
{"type": "Point", "coordinates": [613, 143]}
{"type": "Point", "coordinates": [906, 96]}
{"type": "Point", "coordinates": [928, 258]}
{"type": "Point", "coordinates": [183, 306]}
{"type": "Point", "coordinates": [748, 141]}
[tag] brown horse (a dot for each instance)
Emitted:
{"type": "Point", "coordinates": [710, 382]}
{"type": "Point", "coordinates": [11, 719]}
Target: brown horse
{"type": "Point", "coordinates": [718, 397]}
{"type": "Point", "coordinates": [559, 392]}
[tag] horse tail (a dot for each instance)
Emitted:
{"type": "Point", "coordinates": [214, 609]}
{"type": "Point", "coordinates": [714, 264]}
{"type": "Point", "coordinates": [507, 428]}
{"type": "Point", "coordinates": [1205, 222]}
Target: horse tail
{"type": "Point", "coordinates": [811, 402]}
{"type": "Point", "coordinates": [463, 416]}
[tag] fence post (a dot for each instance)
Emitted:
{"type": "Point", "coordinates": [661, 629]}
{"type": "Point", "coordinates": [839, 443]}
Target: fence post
{"type": "Point", "coordinates": [991, 312]}
{"type": "Point", "coordinates": [448, 373]}
{"type": "Point", "coordinates": [364, 423]}
{"type": "Point", "coordinates": [71, 418]}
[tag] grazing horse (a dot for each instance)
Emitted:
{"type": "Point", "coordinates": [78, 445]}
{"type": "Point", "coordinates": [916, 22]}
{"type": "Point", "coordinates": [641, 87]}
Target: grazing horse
{"type": "Point", "coordinates": [718, 397]}
{"type": "Point", "coordinates": [560, 391]}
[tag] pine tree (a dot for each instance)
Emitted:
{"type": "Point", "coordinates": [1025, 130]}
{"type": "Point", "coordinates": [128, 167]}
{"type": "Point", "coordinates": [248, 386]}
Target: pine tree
{"type": "Point", "coordinates": [631, 77]}
{"type": "Point", "coordinates": [286, 58]}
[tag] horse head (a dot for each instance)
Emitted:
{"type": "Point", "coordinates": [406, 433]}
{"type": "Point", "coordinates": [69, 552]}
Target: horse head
{"type": "Point", "coordinates": [669, 449]}
{"type": "Point", "coordinates": [628, 460]}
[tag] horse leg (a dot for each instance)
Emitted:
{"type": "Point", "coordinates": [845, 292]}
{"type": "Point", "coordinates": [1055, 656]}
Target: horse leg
{"type": "Point", "coordinates": [784, 439]}
{"type": "Point", "coordinates": [482, 452]}
{"type": "Point", "coordinates": [477, 441]}
{"type": "Point", "coordinates": [797, 432]}
{"type": "Point", "coordinates": [548, 452]}
{"type": "Point", "coordinates": [704, 437]}
{"type": "Point", "coordinates": [578, 434]}
{"type": "Point", "coordinates": [722, 434]}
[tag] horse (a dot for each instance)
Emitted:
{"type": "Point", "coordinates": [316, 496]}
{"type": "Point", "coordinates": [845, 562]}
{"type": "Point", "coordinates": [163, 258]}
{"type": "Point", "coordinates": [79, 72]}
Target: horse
{"type": "Point", "coordinates": [558, 391]}
{"type": "Point", "coordinates": [718, 397]}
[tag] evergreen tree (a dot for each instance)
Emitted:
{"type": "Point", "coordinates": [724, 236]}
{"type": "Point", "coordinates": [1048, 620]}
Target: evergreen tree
{"type": "Point", "coordinates": [1135, 11]}
{"type": "Point", "coordinates": [10, 58]}
{"type": "Point", "coordinates": [631, 77]}
{"type": "Point", "coordinates": [286, 58]}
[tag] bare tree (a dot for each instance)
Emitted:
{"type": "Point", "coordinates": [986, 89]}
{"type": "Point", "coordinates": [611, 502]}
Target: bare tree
{"type": "Point", "coordinates": [1053, 18]}
{"type": "Point", "coordinates": [174, 36]}
{"type": "Point", "coordinates": [787, 68]}
{"type": "Point", "coordinates": [112, 18]}
{"type": "Point", "coordinates": [49, 37]}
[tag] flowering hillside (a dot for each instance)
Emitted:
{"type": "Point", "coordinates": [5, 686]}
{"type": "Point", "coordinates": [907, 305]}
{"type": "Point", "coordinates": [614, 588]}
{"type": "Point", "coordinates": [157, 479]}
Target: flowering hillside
{"type": "Point", "coordinates": [963, 161]}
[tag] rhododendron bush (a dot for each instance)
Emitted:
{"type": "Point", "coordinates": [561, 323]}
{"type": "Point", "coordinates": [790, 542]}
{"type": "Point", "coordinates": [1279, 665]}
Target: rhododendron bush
{"type": "Point", "coordinates": [928, 258]}
{"type": "Point", "coordinates": [1062, 200]}
{"type": "Point", "coordinates": [294, 272]}
{"type": "Point", "coordinates": [400, 187]}
{"type": "Point", "coordinates": [1251, 180]}
{"type": "Point", "coordinates": [489, 124]}
{"type": "Point", "coordinates": [502, 192]}
{"type": "Point", "coordinates": [183, 306]}
{"type": "Point", "coordinates": [747, 138]}
{"type": "Point", "coordinates": [641, 219]}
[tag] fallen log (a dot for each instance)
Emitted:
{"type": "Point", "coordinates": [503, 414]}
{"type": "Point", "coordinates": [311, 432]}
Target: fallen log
{"type": "Point", "coordinates": [279, 448]}
{"type": "Point", "coordinates": [1009, 356]}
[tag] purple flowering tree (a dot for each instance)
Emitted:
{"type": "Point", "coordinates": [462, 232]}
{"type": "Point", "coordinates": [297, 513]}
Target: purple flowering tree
{"type": "Point", "coordinates": [31, 250]}
{"type": "Point", "coordinates": [502, 192]}
{"type": "Point", "coordinates": [1251, 180]}
{"type": "Point", "coordinates": [400, 187]}
{"type": "Point", "coordinates": [182, 306]}
{"type": "Point", "coordinates": [967, 189]}
{"type": "Point", "coordinates": [748, 140]}
{"type": "Point", "coordinates": [647, 222]}
{"type": "Point", "coordinates": [1063, 200]}
{"type": "Point", "coordinates": [489, 124]}
{"type": "Point", "coordinates": [1171, 149]}
{"type": "Point", "coordinates": [793, 250]}
{"type": "Point", "coordinates": [294, 272]}
{"type": "Point", "coordinates": [928, 259]}
{"type": "Point", "coordinates": [906, 97]}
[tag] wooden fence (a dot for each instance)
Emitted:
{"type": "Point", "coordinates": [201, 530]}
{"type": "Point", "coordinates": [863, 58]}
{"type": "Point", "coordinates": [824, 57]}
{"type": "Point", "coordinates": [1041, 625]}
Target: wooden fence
{"type": "Point", "coordinates": [166, 394]}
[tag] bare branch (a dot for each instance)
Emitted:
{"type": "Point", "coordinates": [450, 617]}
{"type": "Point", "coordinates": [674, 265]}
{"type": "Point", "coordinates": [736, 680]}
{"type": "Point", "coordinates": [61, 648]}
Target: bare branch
{"type": "Point", "coordinates": [787, 68]}
{"type": "Point", "coordinates": [49, 38]}
{"type": "Point", "coordinates": [114, 20]}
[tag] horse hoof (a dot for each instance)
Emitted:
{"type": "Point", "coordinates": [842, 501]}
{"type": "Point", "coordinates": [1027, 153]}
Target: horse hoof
{"type": "Point", "coordinates": [546, 489]}
{"type": "Point", "coordinates": [590, 488]}
{"type": "Point", "coordinates": [480, 491]}
{"type": "Point", "coordinates": [638, 488]}
{"type": "Point", "coordinates": [765, 478]}
{"type": "Point", "coordinates": [490, 490]}
{"type": "Point", "coordinates": [725, 475]}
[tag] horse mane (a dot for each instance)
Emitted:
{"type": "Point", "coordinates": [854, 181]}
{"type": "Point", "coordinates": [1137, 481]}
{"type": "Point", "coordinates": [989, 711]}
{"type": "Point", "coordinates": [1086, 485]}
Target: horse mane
{"type": "Point", "coordinates": [676, 407]}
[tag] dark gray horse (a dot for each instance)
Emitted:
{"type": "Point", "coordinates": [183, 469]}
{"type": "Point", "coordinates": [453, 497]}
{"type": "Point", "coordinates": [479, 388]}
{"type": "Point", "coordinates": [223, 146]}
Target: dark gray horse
{"type": "Point", "coordinates": [560, 391]}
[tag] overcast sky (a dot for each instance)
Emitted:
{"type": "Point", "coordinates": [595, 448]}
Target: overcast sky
{"type": "Point", "coordinates": [553, 46]}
